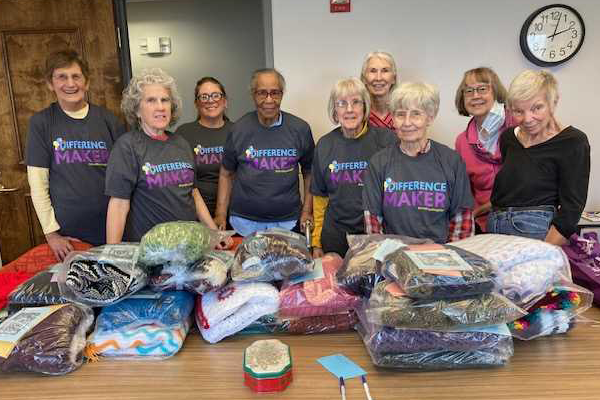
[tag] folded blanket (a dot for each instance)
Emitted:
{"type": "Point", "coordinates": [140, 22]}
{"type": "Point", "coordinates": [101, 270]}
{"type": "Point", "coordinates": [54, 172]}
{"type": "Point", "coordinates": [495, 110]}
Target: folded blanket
{"type": "Point", "coordinates": [230, 309]}
{"type": "Point", "coordinates": [389, 306]}
{"type": "Point", "coordinates": [270, 323]}
{"type": "Point", "coordinates": [159, 309]}
{"type": "Point", "coordinates": [8, 282]}
{"type": "Point", "coordinates": [54, 346]}
{"type": "Point", "coordinates": [317, 297]}
{"type": "Point", "coordinates": [39, 290]}
{"type": "Point", "coordinates": [144, 341]}
{"type": "Point", "coordinates": [207, 274]}
{"type": "Point", "coordinates": [101, 275]}
{"type": "Point", "coordinates": [271, 255]}
{"type": "Point", "coordinates": [525, 268]}
{"type": "Point", "coordinates": [178, 242]}
{"type": "Point", "coordinates": [39, 258]}
{"type": "Point", "coordinates": [361, 271]}
{"type": "Point", "coordinates": [434, 271]}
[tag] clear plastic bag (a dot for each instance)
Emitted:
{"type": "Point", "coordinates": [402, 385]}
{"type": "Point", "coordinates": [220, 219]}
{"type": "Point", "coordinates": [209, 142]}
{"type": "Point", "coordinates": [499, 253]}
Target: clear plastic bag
{"type": "Point", "coordinates": [272, 324]}
{"type": "Point", "coordinates": [39, 290]}
{"type": "Point", "coordinates": [54, 346]}
{"type": "Point", "coordinates": [177, 242]}
{"type": "Point", "coordinates": [209, 273]}
{"type": "Point", "coordinates": [434, 271]}
{"type": "Point", "coordinates": [101, 275]}
{"type": "Point", "coordinates": [389, 306]}
{"type": "Point", "coordinates": [271, 255]}
{"type": "Point", "coordinates": [361, 271]}
{"type": "Point", "coordinates": [555, 313]}
{"type": "Point", "coordinates": [316, 297]}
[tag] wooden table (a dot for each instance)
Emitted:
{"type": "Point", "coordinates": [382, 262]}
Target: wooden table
{"type": "Point", "coordinates": [558, 367]}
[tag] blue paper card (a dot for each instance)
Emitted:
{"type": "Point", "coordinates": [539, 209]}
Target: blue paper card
{"type": "Point", "coordinates": [317, 273]}
{"type": "Point", "coordinates": [341, 366]}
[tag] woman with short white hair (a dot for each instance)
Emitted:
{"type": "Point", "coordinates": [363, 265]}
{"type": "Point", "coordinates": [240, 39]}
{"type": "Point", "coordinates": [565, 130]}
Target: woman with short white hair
{"type": "Point", "coordinates": [379, 75]}
{"type": "Point", "coordinates": [541, 189]}
{"type": "Point", "coordinates": [418, 187]}
{"type": "Point", "coordinates": [340, 161]}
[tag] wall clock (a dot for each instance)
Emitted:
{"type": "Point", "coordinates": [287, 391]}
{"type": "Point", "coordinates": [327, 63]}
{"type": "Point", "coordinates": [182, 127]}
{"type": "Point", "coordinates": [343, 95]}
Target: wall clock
{"type": "Point", "coordinates": [552, 35]}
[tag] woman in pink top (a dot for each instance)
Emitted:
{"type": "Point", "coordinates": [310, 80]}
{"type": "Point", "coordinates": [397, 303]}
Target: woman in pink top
{"type": "Point", "coordinates": [481, 95]}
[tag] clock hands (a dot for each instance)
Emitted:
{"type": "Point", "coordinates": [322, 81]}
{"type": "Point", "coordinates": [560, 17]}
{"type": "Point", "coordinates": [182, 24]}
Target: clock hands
{"type": "Point", "coordinates": [556, 27]}
{"type": "Point", "coordinates": [558, 33]}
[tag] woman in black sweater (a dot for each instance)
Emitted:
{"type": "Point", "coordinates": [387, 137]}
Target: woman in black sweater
{"type": "Point", "coordinates": [542, 187]}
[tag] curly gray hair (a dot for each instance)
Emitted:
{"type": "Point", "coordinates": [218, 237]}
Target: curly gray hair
{"type": "Point", "coordinates": [133, 93]}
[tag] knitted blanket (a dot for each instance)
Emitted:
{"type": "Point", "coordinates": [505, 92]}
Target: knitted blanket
{"type": "Point", "coordinates": [389, 306]}
{"type": "Point", "coordinates": [54, 346]}
{"type": "Point", "coordinates": [102, 275]}
{"type": "Point", "coordinates": [317, 297]}
{"type": "Point", "coordinates": [232, 308]}
{"type": "Point", "coordinates": [39, 258]}
{"type": "Point", "coordinates": [271, 255]}
{"type": "Point", "coordinates": [8, 282]}
{"type": "Point", "coordinates": [207, 274]}
{"type": "Point", "coordinates": [525, 268]}
{"type": "Point", "coordinates": [433, 271]}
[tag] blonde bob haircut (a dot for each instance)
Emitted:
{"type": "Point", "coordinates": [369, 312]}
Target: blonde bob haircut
{"type": "Point", "coordinates": [134, 92]}
{"type": "Point", "coordinates": [529, 84]}
{"type": "Point", "coordinates": [416, 95]}
{"type": "Point", "coordinates": [383, 56]}
{"type": "Point", "coordinates": [483, 75]}
{"type": "Point", "coordinates": [348, 87]}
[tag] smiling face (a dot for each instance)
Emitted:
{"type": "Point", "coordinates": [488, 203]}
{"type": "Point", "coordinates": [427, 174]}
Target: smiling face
{"type": "Point", "coordinates": [411, 124]}
{"type": "Point", "coordinates": [70, 86]}
{"type": "Point", "coordinates": [534, 116]}
{"type": "Point", "coordinates": [267, 102]}
{"type": "Point", "coordinates": [210, 108]}
{"type": "Point", "coordinates": [155, 109]}
{"type": "Point", "coordinates": [350, 113]}
{"type": "Point", "coordinates": [379, 77]}
{"type": "Point", "coordinates": [478, 97]}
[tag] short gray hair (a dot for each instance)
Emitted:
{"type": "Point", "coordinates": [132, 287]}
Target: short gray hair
{"type": "Point", "coordinates": [265, 71]}
{"type": "Point", "coordinates": [384, 56]}
{"type": "Point", "coordinates": [133, 93]}
{"type": "Point", "coordinates": [348, 87]}
{"type": "Point", "coordinates": [529, 83]}
{"type": "Point", "coordinates": [416, 95]}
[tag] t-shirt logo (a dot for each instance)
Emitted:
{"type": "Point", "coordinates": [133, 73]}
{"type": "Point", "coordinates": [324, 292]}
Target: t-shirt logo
{"type": "Point", "coordinates": [208, 155]}
{"type": "Point", "coordinates": [277, 160]}
{"type": "Point", "coordinates": [91, 152]}
{"type": "Point", "coordinates": [347, 172]}
{"type": "Point", "coordinates": [168, 174]}
{"type": "Point", "coordinates": [427, 196]}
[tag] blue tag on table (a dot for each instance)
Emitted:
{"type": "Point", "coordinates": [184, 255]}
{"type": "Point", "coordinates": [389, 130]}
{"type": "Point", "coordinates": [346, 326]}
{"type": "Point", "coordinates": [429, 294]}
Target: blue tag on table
{"type": "Point", "coordinates": [341, 366]}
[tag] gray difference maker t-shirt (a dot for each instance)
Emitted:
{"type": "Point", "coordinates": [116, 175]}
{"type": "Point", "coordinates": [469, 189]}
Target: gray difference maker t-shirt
{"type": "Point", "coordinates": [266, 162]}
{"type": "Point", "coordinates": [157, 177]}
{"type": "Point", "coordinates": [417, 196]}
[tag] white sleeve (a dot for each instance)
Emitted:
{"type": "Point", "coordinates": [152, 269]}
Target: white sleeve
{"type": "Point", "coordinates": [39, 184]}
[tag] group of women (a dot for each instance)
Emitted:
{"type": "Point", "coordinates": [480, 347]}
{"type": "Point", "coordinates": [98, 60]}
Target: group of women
{"type": "Point", "coordinates": [516, 169]}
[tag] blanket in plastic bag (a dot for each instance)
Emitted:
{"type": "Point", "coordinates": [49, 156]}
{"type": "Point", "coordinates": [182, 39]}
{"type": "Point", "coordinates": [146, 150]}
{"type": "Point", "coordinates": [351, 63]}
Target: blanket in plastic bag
{"type": "Point", "coordinates": [48, 340]}
{"type": "Point", "coordinates": [101, 275]}
{"type": "Point", "coordinates": [39, 290]}
{"type": "Point", "coordinates": [271, 323]}
{"type": "Point", "coordinates": [270, 255]}
{"type": "Point", "coordinates": [584, 256]}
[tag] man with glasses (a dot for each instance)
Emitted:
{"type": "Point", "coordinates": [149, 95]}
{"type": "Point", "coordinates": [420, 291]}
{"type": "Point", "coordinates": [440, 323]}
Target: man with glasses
{"type": "Point", "coordinates": [265, 151]}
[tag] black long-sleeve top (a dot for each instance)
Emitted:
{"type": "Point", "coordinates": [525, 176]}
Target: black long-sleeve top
{"type": "Point", "coordinates": [555, 172]}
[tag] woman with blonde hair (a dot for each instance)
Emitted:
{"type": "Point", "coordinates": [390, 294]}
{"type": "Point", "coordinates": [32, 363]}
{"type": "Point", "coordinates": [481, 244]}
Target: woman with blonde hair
{"type": "Point", "coordinates": [379, 75]}
{"type": "Point", "coordinates": [542, 187]}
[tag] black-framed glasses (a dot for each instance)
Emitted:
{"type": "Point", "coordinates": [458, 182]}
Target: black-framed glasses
{"type": "Point", "coordinates": [206, 97]}
{"type": "Point", "coordinates": [262, 94]}
{"type": "Point", "coordinates": [482, 90]}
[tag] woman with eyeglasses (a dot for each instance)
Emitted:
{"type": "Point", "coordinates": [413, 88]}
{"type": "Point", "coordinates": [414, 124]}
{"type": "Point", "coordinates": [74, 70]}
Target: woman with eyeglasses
{"type": "Point", "coordinates": [68, 146]}
{"type": "Point", "coordinates": [378, 73]}
{"type": "Point", "coordinates": [339, 164]}
{"type": "Point", "coordinates": [542, 187]}
{"type": "Point", "coordinates": [418, 187]}
{"type": "Point", "coordinates": [207, 136]}
{"type": "Point", "coordinates": [481, 95]}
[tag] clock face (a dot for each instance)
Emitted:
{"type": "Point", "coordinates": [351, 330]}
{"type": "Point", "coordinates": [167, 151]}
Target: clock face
{"type": "Point", "coordinates": [552, 35]}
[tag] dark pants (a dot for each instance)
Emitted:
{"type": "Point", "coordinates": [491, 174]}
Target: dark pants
{"type": "Point", "coordinates": [333, 240]}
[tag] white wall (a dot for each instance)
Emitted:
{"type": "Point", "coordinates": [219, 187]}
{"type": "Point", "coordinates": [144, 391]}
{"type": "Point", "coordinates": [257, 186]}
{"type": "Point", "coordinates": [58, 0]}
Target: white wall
{"type": "Point", "coordinates": [433, 41]}
{"type": "Point", "coordinates": [223, 38]}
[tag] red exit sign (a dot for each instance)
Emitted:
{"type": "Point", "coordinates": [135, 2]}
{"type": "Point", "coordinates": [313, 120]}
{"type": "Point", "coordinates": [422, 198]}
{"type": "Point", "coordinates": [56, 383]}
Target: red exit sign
{"type": "Point", "coordinates": [336, 6]}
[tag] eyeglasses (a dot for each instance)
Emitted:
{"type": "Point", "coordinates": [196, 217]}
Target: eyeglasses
{"type": "Point", "coordinates": [343, 104]}
{"type": "Point", "coordinates": [206, 97]}
{"type": "Point", "coordinates": [263, 94]}
{"type": "Point", "coordinates": [413, 115]}
{"type": "Point", "coordinates": [482, 90]}
{"type": "Point", "coordinates": [65, 77]}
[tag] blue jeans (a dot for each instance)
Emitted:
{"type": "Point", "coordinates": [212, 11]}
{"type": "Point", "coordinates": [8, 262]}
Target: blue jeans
{"type": "Point", "coordinates": [533, 224]}
{"type": "Point", "coordinates": [245, 227]}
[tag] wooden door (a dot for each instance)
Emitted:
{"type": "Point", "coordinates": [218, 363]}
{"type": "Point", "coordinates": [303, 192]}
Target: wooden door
{"type": "Point", "coordinates": [29, 31]}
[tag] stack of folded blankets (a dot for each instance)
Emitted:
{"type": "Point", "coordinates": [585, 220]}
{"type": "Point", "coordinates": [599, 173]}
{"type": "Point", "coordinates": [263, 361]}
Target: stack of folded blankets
{"type": "Point", "coordinates": [436, 309]}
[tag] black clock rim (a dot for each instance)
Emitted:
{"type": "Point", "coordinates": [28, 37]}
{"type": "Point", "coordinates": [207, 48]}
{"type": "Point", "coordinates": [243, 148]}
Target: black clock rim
{"type": "Point", "coordinates": [523, 37]}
